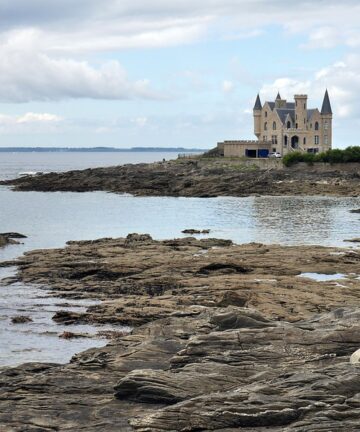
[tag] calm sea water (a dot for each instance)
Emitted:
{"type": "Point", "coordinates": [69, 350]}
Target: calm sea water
{"type": "Point", "coordinates": [12, 164]}
{"type": "Point", "coordinates": [51, 219]}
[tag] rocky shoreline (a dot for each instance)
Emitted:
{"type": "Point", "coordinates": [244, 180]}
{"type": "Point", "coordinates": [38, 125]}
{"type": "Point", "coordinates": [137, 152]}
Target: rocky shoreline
{"type": "Point", "coordinates": [226, 337]}
{"type": "Point", "coordinates": [200, 177]}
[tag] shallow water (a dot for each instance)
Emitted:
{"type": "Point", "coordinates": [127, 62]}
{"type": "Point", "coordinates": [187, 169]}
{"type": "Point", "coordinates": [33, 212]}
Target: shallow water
{"type": "Point", "coordinates": [39, 340]}
{"type": "Point", "coordinates": [322, 277]}
{"type": "Point", "coordinates": [51, 219]}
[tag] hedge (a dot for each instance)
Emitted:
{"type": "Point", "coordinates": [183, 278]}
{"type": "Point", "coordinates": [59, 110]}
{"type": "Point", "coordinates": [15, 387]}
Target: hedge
{"type": "Point", "coordinates": [350, 154]}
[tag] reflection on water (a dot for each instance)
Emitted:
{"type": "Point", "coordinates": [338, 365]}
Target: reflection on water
{"type": "Point", "coordinates": [51, 219]}
{"type": "Point", "coordinates": [292, 220]}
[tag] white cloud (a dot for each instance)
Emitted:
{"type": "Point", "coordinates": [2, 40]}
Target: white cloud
{"type": "Point", "coordinates": [30, 122]}
{"type": "Point", "coordinates": [89, 25]}
{"type": "Point", "coordinates": [44, 46]}
{"type": "Point", "coordinates": [28, 74]}
{"type": "Point", "coordinates": [140, 121]}
{"type": "Point", "coordinates": [31, 117]}
{"type": "Point", "coordinates": [228, 86]}
{"type": "Point", "coordinates": [342, 79]}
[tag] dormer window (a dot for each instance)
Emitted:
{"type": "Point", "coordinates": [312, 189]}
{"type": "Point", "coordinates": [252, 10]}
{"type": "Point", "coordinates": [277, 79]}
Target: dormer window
{"type": "Point", "coordinates": [317, 126]}
{"type": "Point", "coordinates": [265, 126]}
{"type": "Point", "coordinates": [265, 113]}
{"type": "Point", "coordinates": [274, 125]}
{"type": "Point", "coordinates": [288, 125]}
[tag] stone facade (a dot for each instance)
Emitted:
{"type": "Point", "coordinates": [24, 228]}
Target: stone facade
{"type": "Point", "coordinates": [253, 149]}
{"type": "Point", "coordinates": [292, 126]}
{"type": "Point", "coordinates": [283, 127]}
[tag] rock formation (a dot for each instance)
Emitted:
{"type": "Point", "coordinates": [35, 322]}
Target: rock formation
{"type": "Point", "coordinates": [199, 178]}
{"type": "Point", "coordinates": [226, 338]}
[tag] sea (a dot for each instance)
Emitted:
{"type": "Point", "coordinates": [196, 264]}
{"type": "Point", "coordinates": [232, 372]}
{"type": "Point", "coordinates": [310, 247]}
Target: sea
{"type": "Point", "coordinates": [50, 219]}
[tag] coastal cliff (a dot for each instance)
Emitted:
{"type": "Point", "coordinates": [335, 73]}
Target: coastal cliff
{"type": "Point", "coordinates": [201, 177]}
{"type": "Point", "coordinates": [225, 337]}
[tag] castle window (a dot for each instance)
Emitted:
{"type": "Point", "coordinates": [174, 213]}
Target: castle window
{"type": "Point", "coordinates": [316, 139]}
{"type": "Point", "coordinates": [296, 126]}
{"type": "Point", "coordinates": [304, 106]}
{"type": "Point", "coordinates": [265, 126]}
{"type": "Point", "coordinates": [325, 139]}
{"type": "Point", "coordinates": [304, 141]}
{"type": "Point", "coordinates": [317, 126]}
{"type": "Point", "coordinates": [326, 125]}
{"type": "Point", "coordinates": [310, 125]}
{"type": "Point", "coordinates": [285, 141]}
{"type": "Point", "coordinates": [265, 113]}
{"type": "Point", "coordinates": [274, 125]}
{"type": "Point", "coordinates": [288, 125]}
{"type": "Point", "coordinates": [274, 139]}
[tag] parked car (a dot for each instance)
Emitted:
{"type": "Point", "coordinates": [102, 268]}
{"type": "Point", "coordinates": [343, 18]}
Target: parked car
{"type": "Point", "coordinates": [274, 155]}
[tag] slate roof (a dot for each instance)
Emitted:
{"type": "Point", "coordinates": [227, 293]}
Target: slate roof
{"type": "Point", "coordinates": [257, 105]}
{"type": "Point", "coordinates": [290, 108]}
{"type": "Point", "coordinates": [283, 112]}
{"type": "Point", "coordinates": [310, 113]}
{"type": "Point", "coordinates": [326, 106]}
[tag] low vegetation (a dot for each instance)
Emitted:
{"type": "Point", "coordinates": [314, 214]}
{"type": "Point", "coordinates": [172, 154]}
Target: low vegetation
{"type": "Point", "coordinates": [350, 154]}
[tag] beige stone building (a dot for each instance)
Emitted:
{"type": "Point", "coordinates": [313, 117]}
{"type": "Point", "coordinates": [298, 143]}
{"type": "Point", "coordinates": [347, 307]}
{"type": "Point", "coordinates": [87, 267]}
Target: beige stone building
{"type": "Point", "coordinates": [283, 126]}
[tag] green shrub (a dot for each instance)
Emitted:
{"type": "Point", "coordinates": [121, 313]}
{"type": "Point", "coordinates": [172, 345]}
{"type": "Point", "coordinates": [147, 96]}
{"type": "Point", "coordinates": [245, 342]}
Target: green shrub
{"type": "Point", "coordinates": [292, 158]}
{"type": "Point", "coordinates": [350, 154]}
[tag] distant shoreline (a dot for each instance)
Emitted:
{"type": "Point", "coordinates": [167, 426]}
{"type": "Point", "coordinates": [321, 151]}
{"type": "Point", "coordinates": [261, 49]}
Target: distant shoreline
{"type": "Point", "coordinates": [98, 150]}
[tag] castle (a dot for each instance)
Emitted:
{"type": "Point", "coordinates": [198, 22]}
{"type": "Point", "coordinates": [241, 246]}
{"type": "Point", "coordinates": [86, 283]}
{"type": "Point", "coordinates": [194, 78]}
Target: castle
{"type": "Point", "coordinates": [282, 127]}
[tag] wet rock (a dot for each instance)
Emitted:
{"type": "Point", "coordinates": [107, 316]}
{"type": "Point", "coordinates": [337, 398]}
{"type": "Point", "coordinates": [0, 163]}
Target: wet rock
{"type": "Point", "coordinates": [13, 235]}
{"type": "Point", "coordinates": [195, 231]}
{"type": "Point", "coordinates": [21, 319]}
{"type": "Point", "coordinates": [71, 335]}
{"type": "Point", "coordinates": [8, 238]}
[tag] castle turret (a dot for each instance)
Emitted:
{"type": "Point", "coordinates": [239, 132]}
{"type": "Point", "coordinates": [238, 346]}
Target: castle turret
{"type": "Point", "coordinates": [326, 117]}
{"type": "Point", "coordinates": [300, 111]}
{"type": "Point", "coordinates": [280, 103]}
{"type": "Point", "coordinates": [257, 117]}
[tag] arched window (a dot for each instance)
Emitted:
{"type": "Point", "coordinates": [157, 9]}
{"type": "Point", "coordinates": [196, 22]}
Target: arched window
{"type": "Point", "coordinates": [304, 141]}
{"type": "Point", "coordinates": [265, 113]}
{"type": "Point", "coordinates": [274, 125]}
{"type": "Point", "coordinates": [265, 126]}
{"type": "Point", "coordinates": [316, 125]}
{"type": "Point", "coordinates": [288, 125]}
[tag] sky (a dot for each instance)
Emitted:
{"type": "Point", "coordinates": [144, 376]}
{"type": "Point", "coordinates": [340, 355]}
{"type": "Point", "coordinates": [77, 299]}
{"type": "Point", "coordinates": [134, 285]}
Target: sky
{"type": "Point", "coordinates": [160, 73]}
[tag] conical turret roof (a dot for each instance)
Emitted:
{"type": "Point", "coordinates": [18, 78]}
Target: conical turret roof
{"type": "Point", "coordinates": [326, 106]}
{"type": "Point", "coordinates": [278, 96]}
{"type": "Point", "coordinates": [257, 105]}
